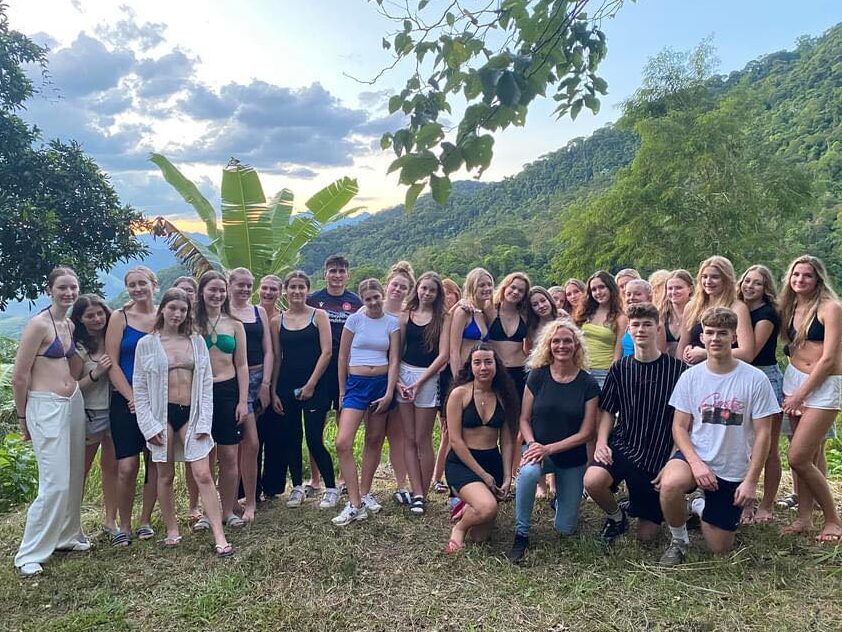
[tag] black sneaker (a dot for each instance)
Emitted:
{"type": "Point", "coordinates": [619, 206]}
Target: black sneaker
{"type": "Point", "coordinates": [674, 554]}
{"type": "Point", "coordinates": [612, 529]}
{"type": "Point", "coordinates": [518, 549]}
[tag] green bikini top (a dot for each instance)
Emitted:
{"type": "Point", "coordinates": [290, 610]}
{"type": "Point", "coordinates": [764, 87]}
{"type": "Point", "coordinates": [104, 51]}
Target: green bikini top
{"type": "Point", "coordinates": [223, 342]}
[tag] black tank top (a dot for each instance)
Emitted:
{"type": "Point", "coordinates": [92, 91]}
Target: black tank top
{"type": "Point", "coordinates": [254, 340]}
{"type": "Point", "coordinates": [301, 351]}
{"type": "Point", "coordinates": [416, 352]}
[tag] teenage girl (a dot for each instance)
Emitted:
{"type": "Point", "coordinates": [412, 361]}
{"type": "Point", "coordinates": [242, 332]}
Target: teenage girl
{"type": "Point", "coordinates": [259, 354]}
{"type": "Point", "coordinates": [811, 319]}
{"type": "Point", "coordinates": [469, 326]}
{"type": "Point", "coordinates": [542, 310]}
{"type": "Point", "coordinates": [574, 290]}
{"type": "Point", "coordinates": [90, 319]}
{"type": "Point", "coordinates": [658, 281]}
{"type": "Point", "coordinates": [225, 339]}
{"type": "Point", "coordinates": [679, 289]}
{"type": "Point", "coordinates": [557, 292]}
{"type": "Point", "coordinates": [425, 335]}
{"type": "Point", "coordinates": [125, 329]}
{"type": "Point", "coordinates": [601, 319]}
{"type": "Point", "coordinates": [173, 387]}
{"type": "Point", "coordinates": [303, 349]}
{"type": "Point", "coordinates": [452, 295]}
{"type": "Point", "coordinates": [508, 313]}
{"type": "Point", "coordinates": [369, 358]}
{"type": "Point", "coordinates": [269, 292]}
{"type": "Point", "coordinates": [51, 413]}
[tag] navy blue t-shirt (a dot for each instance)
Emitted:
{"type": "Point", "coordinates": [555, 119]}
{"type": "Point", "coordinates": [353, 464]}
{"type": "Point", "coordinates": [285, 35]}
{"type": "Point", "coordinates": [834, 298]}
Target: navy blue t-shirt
{"type": "Point", "coordinates": [338, 309]}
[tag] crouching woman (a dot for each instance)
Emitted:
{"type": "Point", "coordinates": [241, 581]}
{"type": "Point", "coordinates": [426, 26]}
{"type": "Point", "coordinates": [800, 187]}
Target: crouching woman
{"type": "Point", "coordinates": [173, 394]}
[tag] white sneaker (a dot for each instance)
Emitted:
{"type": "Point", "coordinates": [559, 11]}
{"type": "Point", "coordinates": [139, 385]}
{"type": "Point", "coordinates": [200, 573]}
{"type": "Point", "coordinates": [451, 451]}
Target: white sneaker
{"type": "Point", "coordinates": [79, 546]}
{"type": "Point", "coordinates": [350, 514]}
{"type": "Point", "coordinates": [370, 503]}
{"type": "Point", "coordinates": [30, 570]}
{"type": "Point", "coordinates": [296, 496]}
{"type": "Point", "coordinates": [330, 498]}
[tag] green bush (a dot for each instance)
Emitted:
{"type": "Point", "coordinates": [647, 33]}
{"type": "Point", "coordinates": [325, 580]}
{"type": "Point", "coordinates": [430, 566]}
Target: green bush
{"type": "Point", "coordinates": [18, 472]}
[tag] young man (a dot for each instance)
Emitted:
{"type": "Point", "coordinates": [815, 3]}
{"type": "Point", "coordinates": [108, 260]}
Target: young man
{"type": "Point", "coordinates": [723, 415]}
{"type": "Point", "coordinates": [339, 303]}
{"type": "Point", "coordinates": [635, 447]}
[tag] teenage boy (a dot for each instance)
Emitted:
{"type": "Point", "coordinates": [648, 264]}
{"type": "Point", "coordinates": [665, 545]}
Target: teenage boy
{"type": "Point", "coordinates": [634, 436]}
{"type": "Point", "coordinates": [339, 303]}
{"type": "Point", "coordinates": [723, 416]}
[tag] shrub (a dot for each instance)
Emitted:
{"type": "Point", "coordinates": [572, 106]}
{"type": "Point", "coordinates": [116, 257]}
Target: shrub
{"type": "Point", "coordinates": [18, 472]}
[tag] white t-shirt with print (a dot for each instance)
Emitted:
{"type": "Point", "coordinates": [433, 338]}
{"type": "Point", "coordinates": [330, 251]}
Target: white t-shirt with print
{"type": "Point", "coordinates": [723, 409]}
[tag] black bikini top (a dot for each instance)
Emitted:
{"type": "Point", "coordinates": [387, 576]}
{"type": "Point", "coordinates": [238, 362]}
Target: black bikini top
{"type": "Point", "coordinates": [815, 332]}
{"type": "Point", "coordinates": [472, 419]}
{"type": "Point", "coordinates": [498, 333]}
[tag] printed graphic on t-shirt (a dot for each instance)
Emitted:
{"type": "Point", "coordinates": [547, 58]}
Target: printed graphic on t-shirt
{"type": "Point", "coordinates": [723, 412]}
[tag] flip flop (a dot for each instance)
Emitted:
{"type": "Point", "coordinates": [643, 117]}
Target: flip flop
{"type": "Point", "coordinates": [171, 541]}
{"type": "Point", "coordinates": [223, 551]}
{"type": "Point", "coordinates": [121, 539]}
{"type": "Point", "coordinates": [145, 532]}
{"type": "Point", "coordinates": [452, 547]}
{"type": "Point", "coordinates": [202, 524]}
{"type": "Point", "coordinates": [234, 521]}
{"type": "Point", "coordinates": [457, 511]}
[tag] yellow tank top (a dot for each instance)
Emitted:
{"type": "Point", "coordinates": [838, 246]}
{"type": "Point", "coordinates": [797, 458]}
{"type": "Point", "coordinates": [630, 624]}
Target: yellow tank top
{"type": "Point", "coordinates": [601, 343]}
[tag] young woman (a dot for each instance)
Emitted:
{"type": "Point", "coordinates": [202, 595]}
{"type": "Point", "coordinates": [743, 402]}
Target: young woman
{"type": "Point", "coordinates": [716, 286]}
{"type": "Point", "coordinates": [574, 290]}
{"type": "Point", "coordinates": [679, 289]}
{"type": "Point", "coordinates": [225, 338]}
{"type": "Point", "coordinates": [508, 313]}
{"type": "Point", "coordinates": [658, 281]}
{"type": "Point", "coordinates": [757, 290]}
{"type": "Point", "coordinates": [624, 276]}
{"type": "Point", "coordinates": [189, 286]}
{"type": "Point", "coordinates": [557, 419]}
{"type": "Point", "coordinates": [481, 419]}
{"type": "Point", "coordinates": [452, 295]}
{"type": "Point", "coordinates": [559, 298]}
{"type": "Point", "coordinates": [811, 318]}
{"type": "Point", "coordinates": [302, 350]}
{"type": "Point", "coordinates": [541, 311]}
{"type": "Point", "coordinates": [399, 283]}
{"type": "Point", "coordinates": [424, 331]}
{"type": "Point", "coordinates": [125, 328]}
{"type": "Point", "coordinates": [601, 319]}
{"type": "Point", "coordinates": [469, 326]}
{"type": "Point", "coordinates": [173, 388]}
{"type": "Point", "coordinates": [269, 291]}
{"type": "Point", "coordinates": [369, 358]}
{"type": "Point", "coordinates": [90, 319]}
{"type": "Point", "coordinates": [259, 354]}
{"type": "Point", "coordinates": [51, 413]}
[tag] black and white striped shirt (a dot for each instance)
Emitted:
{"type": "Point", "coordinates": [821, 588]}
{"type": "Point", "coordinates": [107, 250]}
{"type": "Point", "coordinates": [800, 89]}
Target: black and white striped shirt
{"type": "Point", "coordinates": [639, 392]}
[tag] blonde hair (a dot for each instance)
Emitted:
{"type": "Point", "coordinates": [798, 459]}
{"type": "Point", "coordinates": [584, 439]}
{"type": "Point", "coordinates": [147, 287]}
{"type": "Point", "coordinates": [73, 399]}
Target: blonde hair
{"type": "Point", "coordinates": [240, 272]}
{"type": "Point", "coordinates": [274, 278]}
{"type": "Point", "coordinates": [404, 269]}
{"type": "Point", "coordinates": [542, 355]}
{"type": "Point", "coordinates": [701, 301]}
{"type": "Point", "coordinates": [626, 272]}
{"type": "Point", "coordinates": [666, 307]}
{"type": "Point", "coordinates": [770, 290]}
{"type": "Point", "coordinates": [788, 300]}
{"type": "Point", "coordinates": [658, 280]}
{"type": "Point", "coordinates": [368, 285]}
{"type": "Point", "coordinates": [510, 278]}
{"type": "Point", "coordinates": [469, 289]}
{"type": "Point", "coordinates": [142, 270]}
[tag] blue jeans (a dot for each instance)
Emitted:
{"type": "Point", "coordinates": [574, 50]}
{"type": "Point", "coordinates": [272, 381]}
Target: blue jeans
{"type": "Point", "coordinates": [569, 483]}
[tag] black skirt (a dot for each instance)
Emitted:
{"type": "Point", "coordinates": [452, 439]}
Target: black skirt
{"type": "Point", "coordinates": [458, 474]}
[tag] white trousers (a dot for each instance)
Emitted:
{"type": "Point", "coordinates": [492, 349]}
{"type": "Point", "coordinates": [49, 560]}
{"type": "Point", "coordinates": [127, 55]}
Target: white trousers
{"type": "Point", "coordinates": [53, 521]}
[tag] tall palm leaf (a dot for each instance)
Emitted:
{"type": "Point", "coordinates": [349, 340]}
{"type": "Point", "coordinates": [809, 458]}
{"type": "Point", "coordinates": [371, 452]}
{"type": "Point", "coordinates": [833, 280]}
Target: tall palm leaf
{"type": "Point", "coordinates": [191, 253]}
{"type": "Point", "coordinates": [190, 193]}
{"type": "Point", "coordinates": [246, 220]}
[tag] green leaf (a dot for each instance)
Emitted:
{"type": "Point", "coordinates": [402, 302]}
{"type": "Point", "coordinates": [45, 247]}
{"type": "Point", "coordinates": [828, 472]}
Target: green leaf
{"type": "Point", "coordinates": [451, 19]}
{"type": "Point", "coordinates": [412, 194]}
{"type": "Point", "coordinates": [478, 151]}
{"type": "Point", "coordinates": [280, 210]}
{"type": "Point", "coordinates": [190, 253]}
{"type": "Point", "coordinates": [441, 188]}
{"type": "Point", "coordinates": [386, 141]}
{"type": "Point", "coordinates": [418, 166]}
{"type": "Point", "coordinates": [386, 44]}
{"type": "Point", "coordinates": [429, 135]}
{"type": "Point", "coordinates": [422, 4]}
{"type": "Point", "coordinates": [246, 222]}
{"type": "Point", "coordinates": [189, 192]}
{"type": "Point", "coordinates": [600, 85]}
{"type": "Point", "coordinates": [451, 158]}
{"type": "Point", "coordinates": [488, 78]}
{"type": "Point", "coordinates": [395, 103]}
{"type": "Point", "coordinates": [508, 91]}
{"type": "Point", "coordinates": [592, 103]}
{"type": "Point", "coordinates": [577, 107]}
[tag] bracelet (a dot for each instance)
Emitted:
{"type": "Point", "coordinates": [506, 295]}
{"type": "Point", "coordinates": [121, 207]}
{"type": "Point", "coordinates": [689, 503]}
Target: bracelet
{"type": "Point", "coordinates": [91, 375]}
{"type": "Point", "coordinates": [21, 416]}
{"type": "Point", "coordinates": [264, 384]}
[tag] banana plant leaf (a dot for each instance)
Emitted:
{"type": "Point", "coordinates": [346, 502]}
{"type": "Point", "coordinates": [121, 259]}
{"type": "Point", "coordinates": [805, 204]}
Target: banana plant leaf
{"type": "Point", "coordinates": [190, 193]}
{"type": "Point", "coordinates": [196, 256]}
{"type": "Point", "coordinates": [246, 220]}
{"type": "Point", "coordinates": [280, 207]}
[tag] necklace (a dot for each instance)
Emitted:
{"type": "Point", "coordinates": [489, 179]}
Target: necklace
{"type": "Point", "coordinates": [213, 335]}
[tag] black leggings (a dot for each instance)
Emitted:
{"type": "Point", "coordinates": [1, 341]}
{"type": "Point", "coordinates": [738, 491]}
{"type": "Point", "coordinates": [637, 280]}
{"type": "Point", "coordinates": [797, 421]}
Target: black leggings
{"type": "Point", "coordinates": [284, 441]}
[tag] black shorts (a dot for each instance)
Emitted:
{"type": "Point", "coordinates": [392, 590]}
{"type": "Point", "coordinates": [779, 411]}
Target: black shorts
{"type": "Point", "coordinates": [518, 375]}
{"type": "Point", "coordinates": [458, 474]}
{"type": "Point", "coordinates": [644, 501]}
{"type": "Point", "coordinates": [225, 430]}
{"type": "Point", "coordinates": [178, 415]}
{"type": "Point", "coordinates": [720, 510]}
{"type": "Point", "coordinates": [445, 378]}
{"type": "Point", "coordinates": [329, 385]}
{"type": "Point", "coordinates": [128, 440]}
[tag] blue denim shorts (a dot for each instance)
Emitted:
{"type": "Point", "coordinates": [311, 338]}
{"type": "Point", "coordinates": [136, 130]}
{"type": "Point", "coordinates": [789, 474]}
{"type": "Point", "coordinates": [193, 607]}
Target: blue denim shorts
{"type": "Point", "coordinates": [361, 391]}
{"type": "Point", "coordinates": [255, 381]}
{"type": "Point", "coordinates": [776, 379]}
{"type": "Point", "coordinates": [599, 375]}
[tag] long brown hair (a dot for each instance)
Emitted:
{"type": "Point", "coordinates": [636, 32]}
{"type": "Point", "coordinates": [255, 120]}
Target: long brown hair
{"type": "Point", "coordinates": [81, 336]}
{"type": "Point", "coordinates": [202, 322]}
{"type": "Point", "coordinates": [533, 321]}
{"type": "Point", "coordinates": [588, 307]}
{"type": "Point", "coordinates": [432, 332]}
{"type": "Point", "coordinates": [175, 294]}
{"type": "Point", "coordinates": [502, 384]}
{"type": "Point", "coordinates": [500, 292]}
{"type": "Point", "coordinates": [788, 300]}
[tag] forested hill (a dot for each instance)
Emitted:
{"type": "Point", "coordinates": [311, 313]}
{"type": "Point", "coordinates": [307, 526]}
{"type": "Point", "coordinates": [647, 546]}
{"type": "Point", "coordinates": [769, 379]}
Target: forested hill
{"type": "Point", "coordinates": [779, 120]}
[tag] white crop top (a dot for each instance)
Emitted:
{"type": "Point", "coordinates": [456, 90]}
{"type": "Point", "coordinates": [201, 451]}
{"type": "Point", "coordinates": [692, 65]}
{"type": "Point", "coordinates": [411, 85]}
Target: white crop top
{"type": "Point", "coordinates": [370, 346]}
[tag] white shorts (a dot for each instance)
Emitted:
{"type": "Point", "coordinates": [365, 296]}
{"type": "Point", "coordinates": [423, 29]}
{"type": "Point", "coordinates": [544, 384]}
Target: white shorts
{"type": "Point", "coordinates": [827, 395]}
{"type": "Point", "coordinates": [428, 395]}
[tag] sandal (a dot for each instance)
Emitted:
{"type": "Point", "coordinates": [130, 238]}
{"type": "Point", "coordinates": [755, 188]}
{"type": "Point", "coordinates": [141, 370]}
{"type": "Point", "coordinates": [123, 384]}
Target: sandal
{"type": "Point", "coordinates": [788, 502]}
{"type": "Point", "coordinates": [418, 505]}
{"type": "Point", "coordinates": [120, 539]}
{"type": "Point", "coordinates": [223, 551]}
{"type": "Point", "coordinates": [145, 532]}
{"type": "Point", "coordinates": [234, 521]}
{"type": "Point", "coordinates": [457, 511]}
{"type": "Point", "coordinates": [440, 488]}
{"type": "Point", "coordinates": [202, 524]}
{"type": "Point", "coordinates": [171, 541]}
{"type": "Point", "coordinates": [452, 547]}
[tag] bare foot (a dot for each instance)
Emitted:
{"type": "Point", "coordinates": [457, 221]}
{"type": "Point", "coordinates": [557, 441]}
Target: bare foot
{"type": "Point", "coordinates": [796, 527]}
{"type": "Point", "coordinates": [763, 516]}
{"type": "Point", "coordinates": [831, 534]}
{"type": "Point", "coordinates": [748, 516]}
{"type": "Point", "coordinates": [248, 514]}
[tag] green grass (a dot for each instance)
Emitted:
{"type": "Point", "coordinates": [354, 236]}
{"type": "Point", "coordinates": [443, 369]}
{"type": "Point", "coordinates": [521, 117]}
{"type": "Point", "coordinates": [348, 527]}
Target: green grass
{"type": "Point", "coordinates": [294, 571]}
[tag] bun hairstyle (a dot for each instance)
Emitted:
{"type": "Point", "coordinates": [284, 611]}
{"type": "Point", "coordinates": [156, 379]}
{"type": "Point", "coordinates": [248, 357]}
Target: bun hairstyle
{"type": "Point", "coordinates": [142, 270]}
{"type": "Point", "coordinates": [240, 272]}
{"type": "Point", "coordinates": [175, 294]}
{"type": "Point", "coordinates": [404, 269]}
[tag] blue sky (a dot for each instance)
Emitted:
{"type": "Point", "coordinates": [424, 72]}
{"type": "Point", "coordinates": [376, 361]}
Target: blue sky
{"type": "Point", "coordinates": [268, 82]}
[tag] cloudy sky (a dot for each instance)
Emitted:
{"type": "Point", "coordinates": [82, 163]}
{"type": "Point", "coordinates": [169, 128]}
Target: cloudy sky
{"type": "Point", "coordinates": [274, 83]}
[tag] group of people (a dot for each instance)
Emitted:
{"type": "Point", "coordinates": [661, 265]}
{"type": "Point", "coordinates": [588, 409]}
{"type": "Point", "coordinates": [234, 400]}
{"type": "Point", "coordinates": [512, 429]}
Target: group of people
{"type": "Point", "coordinates": [670, 385]}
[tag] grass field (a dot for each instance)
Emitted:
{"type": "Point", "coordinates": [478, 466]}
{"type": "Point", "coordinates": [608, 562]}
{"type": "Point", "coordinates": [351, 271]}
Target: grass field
{"type": "Point", "coordinates": [294, 571]}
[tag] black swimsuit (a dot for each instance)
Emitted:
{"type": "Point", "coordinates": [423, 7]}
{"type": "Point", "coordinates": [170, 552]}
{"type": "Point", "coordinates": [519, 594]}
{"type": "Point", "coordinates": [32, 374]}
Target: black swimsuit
{"type": "Point", "coordinates": [456, 472]}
